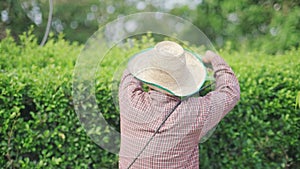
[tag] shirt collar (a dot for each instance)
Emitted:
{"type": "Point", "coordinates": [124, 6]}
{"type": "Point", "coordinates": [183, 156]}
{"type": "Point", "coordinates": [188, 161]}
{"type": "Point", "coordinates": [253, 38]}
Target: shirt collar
{"type": "Point", "coordinates": [162, 98]}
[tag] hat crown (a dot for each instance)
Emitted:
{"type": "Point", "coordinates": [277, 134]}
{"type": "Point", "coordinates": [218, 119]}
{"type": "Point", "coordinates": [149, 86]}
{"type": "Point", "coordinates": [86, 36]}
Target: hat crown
{"type": "Point", "coordinates": [169, 49]}
{"type": "Point", "coordinates": [168, 56]}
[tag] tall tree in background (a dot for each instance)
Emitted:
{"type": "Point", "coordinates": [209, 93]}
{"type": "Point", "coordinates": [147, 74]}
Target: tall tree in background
{"type": "Point", "coordinates": [254, 23]}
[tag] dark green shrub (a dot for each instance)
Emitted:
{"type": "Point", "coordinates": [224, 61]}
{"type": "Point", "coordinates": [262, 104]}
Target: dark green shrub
{"type": "Point", "coordinates": [39, 127]}
{"type": "Point", "coordinates": [262, 130]}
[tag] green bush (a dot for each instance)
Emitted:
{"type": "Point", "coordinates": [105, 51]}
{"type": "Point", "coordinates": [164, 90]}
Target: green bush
{"type": "Point", "coordinates": [39, 127]}
{"type": "Point", "coordinates": [262, 130]}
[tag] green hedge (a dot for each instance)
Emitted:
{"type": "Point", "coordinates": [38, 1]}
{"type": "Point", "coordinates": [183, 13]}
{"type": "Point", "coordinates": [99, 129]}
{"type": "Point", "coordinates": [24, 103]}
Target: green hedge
{"type": "Point", "coordinates": [39, 127]}
{"type": "Point", "coordinates": [263, 129]}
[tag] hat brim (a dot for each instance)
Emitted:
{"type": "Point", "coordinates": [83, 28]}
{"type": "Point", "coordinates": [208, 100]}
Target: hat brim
{"type": "Point", "coordinates": [139, 66]}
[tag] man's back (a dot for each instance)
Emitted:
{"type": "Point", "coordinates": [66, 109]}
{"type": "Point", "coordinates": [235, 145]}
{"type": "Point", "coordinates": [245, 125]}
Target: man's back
{"type": "Point", "coordinates": [176, 143]}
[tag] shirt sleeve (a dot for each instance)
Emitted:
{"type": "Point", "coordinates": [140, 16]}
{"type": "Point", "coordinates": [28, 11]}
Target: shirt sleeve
{"type": "Point", "coordinates": [216, 104]}
{"type": "Point", "coordinates": [131, 92]}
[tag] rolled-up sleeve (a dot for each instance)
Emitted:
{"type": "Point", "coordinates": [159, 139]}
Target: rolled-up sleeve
{"type": "Point", "coordinates": [216, 104]}
{"type": "Point", "coordinates": [227, 85]}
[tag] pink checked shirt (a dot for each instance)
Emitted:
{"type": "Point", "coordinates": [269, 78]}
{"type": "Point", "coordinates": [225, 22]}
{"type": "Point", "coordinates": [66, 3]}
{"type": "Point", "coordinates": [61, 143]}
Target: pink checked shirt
{"type": "Point", "coordinates": [176, 143]}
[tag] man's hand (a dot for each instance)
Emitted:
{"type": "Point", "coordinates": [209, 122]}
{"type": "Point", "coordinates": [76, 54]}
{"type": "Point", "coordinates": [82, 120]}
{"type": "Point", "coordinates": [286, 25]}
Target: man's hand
{"type": "Point", "coordinates": [208, 57]}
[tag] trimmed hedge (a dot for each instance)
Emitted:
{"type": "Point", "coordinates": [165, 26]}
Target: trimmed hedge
{"type": "Point", "coordinates": [263, 129]}
{"type": "Point", "coordinates": [39, 127]}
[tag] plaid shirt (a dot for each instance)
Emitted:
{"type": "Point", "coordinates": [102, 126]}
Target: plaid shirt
{"type": "Point", "coordinates": [176, 143]}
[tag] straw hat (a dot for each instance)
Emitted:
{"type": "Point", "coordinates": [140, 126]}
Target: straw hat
{"type": "Point", "coordinates": [169, 67]}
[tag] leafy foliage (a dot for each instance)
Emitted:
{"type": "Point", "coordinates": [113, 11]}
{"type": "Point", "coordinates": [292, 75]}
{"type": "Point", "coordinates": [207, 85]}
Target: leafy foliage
{"type": "Point", "coordinates": [261, 131]}
{"type": "Point", "coordinates": [252, 23]}
{"type": "Point", "coordinates": [39, 128]}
